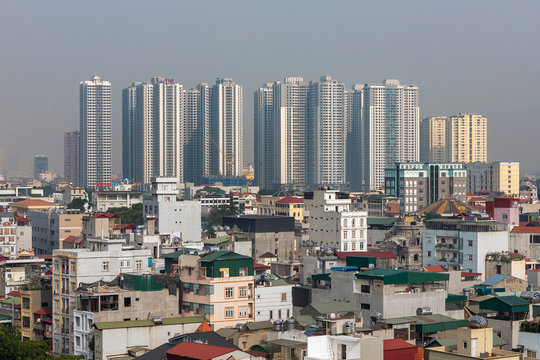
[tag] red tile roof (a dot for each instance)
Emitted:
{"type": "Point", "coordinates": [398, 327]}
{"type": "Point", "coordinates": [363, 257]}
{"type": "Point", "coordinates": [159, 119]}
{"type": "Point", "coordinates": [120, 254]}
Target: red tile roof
{"type": "Point", "coordinates": [33, 202]}
{"type": "Point", "coordinates": [526, 229]}
{"type": "Point", "coordinates": [434, 268]}
{"type": "Point", "coordinates": [290, 200]}
{"type": "Point", "coordinates": [45, 256]}
{"type": "Point", "coordinates": [397, 344]}
{"type": "Point", "coordinates": [267, 255]}
{"type": "Point", "coordinates": [3, 258]}
{"type": "Point", "coordinates": [70, 239]}
{"type": "Point", "coordinates": [14, 293]}
{"type": "Point", "coordinates": [43, 311]}
{"type": "Point", "coordinates": [470, 274]}
{"type": "Point", "coordinates": [378, 254]}
{"type": "Point", "coordinates": [21, 219]}
{"type": "Point", "coordinates": [260, 267]}
{"type": "Point", "coordinates": [204, 327]}
{"type": "Point", "coordinates": [197, 351]}
{"type": "Point", "coordinates": [104, 215]}
{"type": "Point", "coordinates": [128, 227]}
{"type": "Point", "coordinates": [256, 353]}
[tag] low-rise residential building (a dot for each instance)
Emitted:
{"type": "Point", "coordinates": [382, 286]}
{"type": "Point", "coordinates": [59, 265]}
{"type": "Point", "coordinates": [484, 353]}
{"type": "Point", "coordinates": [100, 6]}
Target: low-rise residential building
{"type": "Point", "coordinates": [471, 343]}
{"type": "Point", "coordinates": [8, 235]}
{"type": "Point", "coordinates": [104, 200]}
{"type": "Point", "coordinates": [513, 264]}
{"type": "Point", "coordinates": [333, 222]}
{"type": "Point", "coordinates": [502, 281]}
{"type": "Point", "coordinates": [15, 272]}
{"type": "Point", "coordinates": [22, 207]}
{"type": "Point", "coordinates": [219, 286]}
{"type": "Point", "coordinates": [462, 244]}
{"type": "Point", "coordinates": [36, 310]}
{"type": "Point", "coordinates": [75, 266]}
{"type": "Point", "coordinates": [290, 206]}
{"type": "Point", "coordinates": [273, 299]}
{"type": "Point", "coordinates": [525, 240]}
{"type": "Point", "coordinates": [115, 338]}
{"type": "Point", "coordinates": [418, 185]}
{"type": "Point", "coordinates": [327, 347]}
{"type": "Point", "coordinates": [128, 297]}
{"type": "Point", "coordinates": [24, 234]}
{"type": "Point", "coordinates": [50, 228]}
{"type": "Point", "coordinates": [377, 205]}
{"type": "Point", "coordinates": [529, 339]}
{"type": "Point", "coordinates": [176, 221]}
{"type": "Point", "coordinates": [504, 210]}
{"type": "Point", "coordinates": [273, 234]}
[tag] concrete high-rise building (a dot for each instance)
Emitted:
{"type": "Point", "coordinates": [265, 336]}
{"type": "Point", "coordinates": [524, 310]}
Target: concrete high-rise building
{"type": "Point", "coordinates": [418, 185]}
{"type": "Point", "coordinates": [435, 139]}
{"type": "Point", "coordinates": [71, 157]}
{"type": "Point", "coordinates": [226, 129]}
{"type": "Point", "coordinates": [458, 138]}
{"type": "Point", "coordinates": [41, 164]}
{"type": "Point", "coordinates": [354, 137]}
{"type": "Point", "coordinates": [263, 109]}
{"type": "Point", "coordinates": [327, 131]}
{"type": "Point", "coordinates": [500, 176]}
{"type": "Point", "coordinates": [390, 129]}
{"type": "Point", "coordinates": [95, 162]}
{"type": "Point", "coordinates": [468, 138]}
{"type": "Point", "coordinates": [172, 132]}
{"type": "Point", "coordinates": [153, 130]}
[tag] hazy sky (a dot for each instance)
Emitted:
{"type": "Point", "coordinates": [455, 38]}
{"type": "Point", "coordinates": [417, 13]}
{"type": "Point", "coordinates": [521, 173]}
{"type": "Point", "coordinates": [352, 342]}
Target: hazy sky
{"type": "Point", "coordinates": [465, 56]}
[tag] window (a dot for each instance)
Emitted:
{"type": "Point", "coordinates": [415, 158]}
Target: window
{"type": "Point", "coordinates": [469, 257]}
{"type": "Point", "coordinates": [78, 341]}
{"type": "Point", "coordinates": [366, 289]}
{"type": "Point", "coordinates": [26, 303]}
{"type": "Point", "coordinates": [365, 306]}
{"type": "Point", "coordinates": [242, 311]}
{"type": "Point", "coordinates": [531, 354]}
{"type": "Point", "coordinates": [353, 246]}
{"type": "Point", "coordinates": [243, 271]}
{"type": "Point", "coordinates": [229, 312]}
{"type": "Point", "coordinates": [470, 242]}
{"type": "Point", "coordinates": [127, 302]}
{"type": "Point", "coordinates": [229, 292]}
{"type": "Point", "coordinates": [105, 266]}
{"type": "Point", "coordinates": [138, 264]}
{"type": "Point", "coordinates": [343, 351]}
{"type": "Point", "coordinates": [465, 345]}
{"type": "Point", "coordinates": [498, 269]}
{"type": "Point", "coordinates": [283, 296]}
{"type": "Point", "coordinates": [26, 322]}
{"type": "Point", "coordinates": [242, 291]}
{"type": "Point", "coordinates": [224, 272]}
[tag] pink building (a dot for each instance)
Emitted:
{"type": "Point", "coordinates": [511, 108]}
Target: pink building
{"type": "Point", "coordinates": [504, 210]}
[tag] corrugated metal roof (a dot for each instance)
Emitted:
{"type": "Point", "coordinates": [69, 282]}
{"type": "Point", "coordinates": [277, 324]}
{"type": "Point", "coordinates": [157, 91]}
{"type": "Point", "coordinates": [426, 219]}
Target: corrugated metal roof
{"type": "Point", "coordinates": [228, 255]}
{"type": "Point", "coordinates": [258, 325]}
{"type": "Point", "coordinates": [391, 276]}
{"type": "Point", "coordinates": [494, 280]}
{"type": "Point", "coordinates": [145, 323]}
{"type": "Point", "coordinates": [334, 307]}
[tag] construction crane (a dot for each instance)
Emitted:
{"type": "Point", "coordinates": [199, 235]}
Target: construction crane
{"type": "Point", "coordinates": [229, 161]}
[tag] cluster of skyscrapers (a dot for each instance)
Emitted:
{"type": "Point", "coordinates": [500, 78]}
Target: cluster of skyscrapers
{"type": "Point", "coordinates": [306, 133]}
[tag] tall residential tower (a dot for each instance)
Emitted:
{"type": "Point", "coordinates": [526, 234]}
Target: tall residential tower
{"type": "Point", "coordinates": [71, 157]}
{"type": "Point", "coordinates": [95, 163]}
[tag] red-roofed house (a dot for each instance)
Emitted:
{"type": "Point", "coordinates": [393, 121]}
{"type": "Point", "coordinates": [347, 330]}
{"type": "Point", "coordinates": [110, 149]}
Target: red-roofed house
{"type": "Point", "coordinates": [399, 349]}
{"type": "Point", "coordinates": [525, 240]}
{"type": "Point", "coordinates": [434, 268]}
{"type": "Point", "coordinates": [195, 351]}
{"type": "Point", "coordinates": [291, 206]}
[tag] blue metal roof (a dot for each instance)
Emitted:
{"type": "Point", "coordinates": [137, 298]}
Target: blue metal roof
{"type": "Point", "coordinates": [344, 268]}
{"type": "Point", "coordinates": [494, 280]}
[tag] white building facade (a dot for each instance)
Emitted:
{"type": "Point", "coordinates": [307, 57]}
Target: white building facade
{"type": "Point", "coordinates": [180, 220]}
{"type": "Point", "coordinates": [95, 163]}
{"type": "Point", "coordinates": [461, 244]}
{"type": "Point", "coordinates": [333, 223]}
{"type": "Point", "coordinates": [390, 125]}
{"type": "Point", "coordinates": [273, 301]}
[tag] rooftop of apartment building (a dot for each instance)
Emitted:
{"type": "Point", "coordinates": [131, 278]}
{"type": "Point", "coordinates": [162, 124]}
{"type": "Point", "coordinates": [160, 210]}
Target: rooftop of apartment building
{"type": "Point", "coordinates": [468, 225]}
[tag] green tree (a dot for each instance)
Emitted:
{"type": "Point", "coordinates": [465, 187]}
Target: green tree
{"type": "Point", "coordinates": [132, 215]}
{"type": "Point", "coordinates": [216, 214]}
{"type": "Point", "coordinates": [267, 191]}
{"type": "Point", "coordinates": [12, 348]}
{"type": "Point", "coordinates": [77, 203]}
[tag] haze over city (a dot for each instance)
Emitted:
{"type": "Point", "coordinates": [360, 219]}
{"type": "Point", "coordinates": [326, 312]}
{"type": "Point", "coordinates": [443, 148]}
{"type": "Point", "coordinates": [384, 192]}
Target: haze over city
{"type": "Point", "coordinates": [464, 56]}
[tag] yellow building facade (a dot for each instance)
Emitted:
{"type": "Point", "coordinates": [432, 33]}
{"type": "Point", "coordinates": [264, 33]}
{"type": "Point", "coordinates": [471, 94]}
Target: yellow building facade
{"type": "Point", "coordinates": [506, 178]}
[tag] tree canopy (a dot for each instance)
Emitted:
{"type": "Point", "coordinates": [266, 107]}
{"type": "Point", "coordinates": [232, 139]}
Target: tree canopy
{"type": "Point", "coordinates": [12, 348]}
{"type": "Point", "coordinates": [216, 214]}
{"type": "Point", "coordinates": [132, 215]}
{"type": "Point", "coordinates": [77, 203]}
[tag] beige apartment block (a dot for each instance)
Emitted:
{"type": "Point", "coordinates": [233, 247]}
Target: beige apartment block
{"type": "Point", "coordinates": [434, 139]}
{"type": "Point", "coordinates": [468, 135]}
{"type": "Point", "coordinates": [506, 177]}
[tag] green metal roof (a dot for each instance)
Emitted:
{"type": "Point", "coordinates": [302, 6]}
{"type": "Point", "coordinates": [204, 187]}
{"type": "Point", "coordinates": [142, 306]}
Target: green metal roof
{"type": "Point", "coordinates": [455, 298]}
{"type": "Point", "coordinates": [391, 276]}
{"type": "Point", "coordinates": [509, 304]}
{"type": "Point", "coordinates": [380, 221]}
{"type": "Point", "coordinates": [305, 320]}
{"type": "Point", "coordinates": [481, 298]}
{"type": "Point", "coordinates": [225, 255]}
{"type": "Point", "coordinates": [325, 277]}
{"type": "Point", "coordinates": [144, 323]}
{"type": "Point", "coordinates": [220, 240]}
{"type": "Point", "coordinates": [332, 307]}
{"type": "Point", "coordinates": [452, 341]}
{"type": "Point", "coordinates": [176, 254]}
{"type": "Point", "coordinates": [429, 323]}
{"type": "Point", "coordinates": [11, 301]}
{"type": "Point", "coordinates": [536, 310]}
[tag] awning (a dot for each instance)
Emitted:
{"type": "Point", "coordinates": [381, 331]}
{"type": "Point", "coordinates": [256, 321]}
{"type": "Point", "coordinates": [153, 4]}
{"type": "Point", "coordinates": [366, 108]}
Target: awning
{"type": "Point", "coordinates": [319, 277]}
{"type": "Point", "coordinates": [455, 298]}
